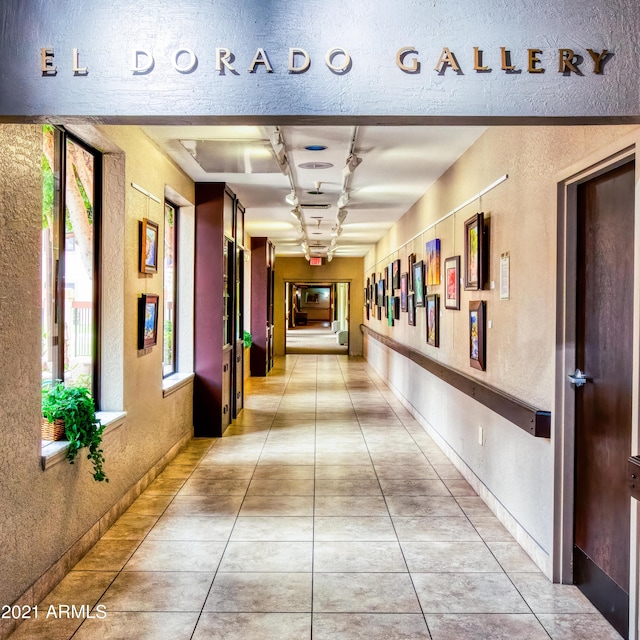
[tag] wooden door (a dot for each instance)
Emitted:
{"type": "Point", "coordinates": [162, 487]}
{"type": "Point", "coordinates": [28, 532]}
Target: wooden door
{"type": "Point", "coordinates": [603, 405]}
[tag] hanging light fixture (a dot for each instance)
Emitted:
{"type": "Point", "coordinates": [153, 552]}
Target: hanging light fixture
{"type": "Point", "coordinates": [292, 198]}
{"type": "Point", "coordinates": [353, 162]}
{"type": "Point", "coordinates": [341, 215]}
{"type": "Point", "coordinates": [343, 200]}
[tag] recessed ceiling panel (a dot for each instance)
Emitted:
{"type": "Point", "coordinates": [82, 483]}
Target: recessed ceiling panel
{"type": "Point", "coordinates": [232, 156]}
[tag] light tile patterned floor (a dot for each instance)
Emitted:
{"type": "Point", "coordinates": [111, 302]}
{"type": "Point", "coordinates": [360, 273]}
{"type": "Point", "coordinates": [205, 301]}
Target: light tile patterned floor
{"type": "Point", "coordinates": [325, 512]}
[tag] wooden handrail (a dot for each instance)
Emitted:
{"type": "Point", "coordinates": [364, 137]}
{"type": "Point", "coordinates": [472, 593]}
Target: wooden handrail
{"type": "Point", "coordinates": [534, 421]}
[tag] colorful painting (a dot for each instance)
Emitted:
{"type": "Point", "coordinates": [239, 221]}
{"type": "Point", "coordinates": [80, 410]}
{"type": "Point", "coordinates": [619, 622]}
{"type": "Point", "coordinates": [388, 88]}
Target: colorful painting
{"type": "Point", "coordinates": [390, 310]}
{"type": "Point", "coordinates": [477, 334]}
{"type": "Point", "coordinates": [411, 306]}
{"type": "Point", "coordinates": [396, 274]}
{"type": "Point", "coordinates": [433, 320]}
{"type": "Point", "coordinates": [452, 282]}
{"type": "Point", "coordinates": [473, 252]}
{"type": "Point", "coordinates": [148, 246]}
{"type": "Point", "coordinates": [147, 320]}
{"type": "Point", "coordinates": [433, 262]}
{"type": "Point", "coordinates": [418, 283]}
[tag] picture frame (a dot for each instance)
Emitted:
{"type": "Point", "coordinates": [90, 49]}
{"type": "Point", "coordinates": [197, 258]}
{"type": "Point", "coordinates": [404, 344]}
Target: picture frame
{"type": "Point", "coordinates": [148, 246]}
{"type": "Point", "coordinates": [396, 274]}
{"type": "Point", "coordinates": [477, 345]}
{"type": "Point", "coordinates": [381, 292]}
{"type": "Point", "coordinates": [312, 298]}
{"type": "Point", "coordinates": [404, 290]}
{"type": "Point", "coordinates": [411, 308]}
{"type": "Point", "coordinates": [474, 254]}
{"type": "Point", "coordinates": [411, 259]}
{"type": "Point", "coordinates": [396, 307]}
{"type": "Point", "coordinates": [418, 283]}
{"type": "Point", "coordinates": [147, 320]}
{"type": "Point", "coordinates": [433, 262]}
{"type": "Point", "coordinates": [379, 308]}
{"type": "Point", "coordinates": [433, 320]}
{"type": "Point", "coordinates": [390, 311]}
{"type": "Point", "coordinates": [389, 278]}
{"type": "Point", "coordinates": [452, 283]}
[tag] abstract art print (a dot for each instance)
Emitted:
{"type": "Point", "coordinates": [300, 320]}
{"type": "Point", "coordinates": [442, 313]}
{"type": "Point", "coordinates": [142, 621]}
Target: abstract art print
{"type": "Point", "coordinates": [452, 283]}
{"type": "Point", "coordinates": [433, 324]}
{"type": "Point", "coordinates": [477, 347]}
{"type": "Point", "coordinates": [433, 262]}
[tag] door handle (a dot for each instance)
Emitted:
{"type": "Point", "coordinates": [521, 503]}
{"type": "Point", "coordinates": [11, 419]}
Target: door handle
{"type": "Point", "coordinates": [578, 378]}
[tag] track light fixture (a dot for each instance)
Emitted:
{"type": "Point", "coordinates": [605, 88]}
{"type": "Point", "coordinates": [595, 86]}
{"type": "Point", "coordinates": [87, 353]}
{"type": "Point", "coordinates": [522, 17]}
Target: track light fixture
{"type": "Point", "coordinates": [296, 214]}
{"type": "Point", "coordinates": [330, 256]}
{"type": "Point", "coordinates": [352, 164]}
{"type": "Point", "coordinates": [341, 215]}
{"type": "Point", "coordinates": [343, 200]}
{"type": "Point", "coordinates": [279, 150]}
{"type": "Point", "coordinates": [292, 198]}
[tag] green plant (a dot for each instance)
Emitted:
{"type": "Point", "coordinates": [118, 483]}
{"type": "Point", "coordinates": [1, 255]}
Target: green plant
{"type": "Point", "coordinates": [75, 406]}
{"type": "Point", "coordinates": [247, 339]}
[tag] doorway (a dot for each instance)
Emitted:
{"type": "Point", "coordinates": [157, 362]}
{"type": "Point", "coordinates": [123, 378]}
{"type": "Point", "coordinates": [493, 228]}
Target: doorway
{"type": "Point", "coordinates": [598, 408]}
{"type": "Point", "coordinates": [317, 318]}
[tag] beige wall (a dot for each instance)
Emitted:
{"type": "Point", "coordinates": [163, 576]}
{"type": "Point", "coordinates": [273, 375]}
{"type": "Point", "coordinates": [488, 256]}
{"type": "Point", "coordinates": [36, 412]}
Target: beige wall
{"type": "Point", "coordinates": [338, 270]}
{"type": "Point", "coordinates": [45, 512]}
{"type": "Point", "coordinates": [513, 470]}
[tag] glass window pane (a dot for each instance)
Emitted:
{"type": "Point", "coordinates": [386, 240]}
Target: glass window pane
{"type": "Point", "coordinates": [169, 331]}
{"type": "Point", "coordinates": [79, 267]}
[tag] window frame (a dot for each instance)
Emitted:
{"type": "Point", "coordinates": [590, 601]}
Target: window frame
{"type": "Point", "coordinates": [61, 138]}
{"type": "Point", "coordinates": [176, 249]}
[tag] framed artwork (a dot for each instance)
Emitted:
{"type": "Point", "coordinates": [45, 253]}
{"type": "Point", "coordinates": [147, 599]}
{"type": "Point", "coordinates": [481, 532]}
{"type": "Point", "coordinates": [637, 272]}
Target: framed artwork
{"type": "Point", "coordinates": [412, 260]}
{"type": "Point", "coordinates": [380, 300]}
{"type": "Point", "coordinates": [477, 347]}
{"type": "Point", "coordinates": [411, 306]}
{"type": "Point", "coordinates": [396, 274]}
{"type": "Point", "coordinates": [433, 320]}
{"type": "Point", "coordinates": [390, 310]}
{"type": "Point", "coordinates": [366, 290]}
{"type": "Point", "coordinates": [366, 308]}
{"type": "Point", "coordinates": [452, 282]}
{"type": "Point", "coordinates": [379, 308]}
{"type": "Point", "coordinates": [433, 262]}
{"type": "Point", "coordinates": [404, 290]}
{"type": "Point", "coordinates": [312, 298]}
{"type": "Point", "coordinates": [390, 277]}
{"type": "Point", "coordinates": [474, 258]}
{"type": "Point", "coordinates": [148, 246]}
{"type": "Point", "coordinates": [418, 283]}
{"type": "Point", "coordinates": [396, 307]}
{"type": "Point", "coordinates": [147, 320]}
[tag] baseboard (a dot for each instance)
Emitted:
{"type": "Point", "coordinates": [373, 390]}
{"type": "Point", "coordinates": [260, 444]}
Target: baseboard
{"type": "Point", "coordinates": [59, 569]}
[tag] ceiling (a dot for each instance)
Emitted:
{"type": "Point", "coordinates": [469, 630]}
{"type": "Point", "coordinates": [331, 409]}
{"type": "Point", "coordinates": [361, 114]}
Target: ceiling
{"type": "Point", "coordinates": [398, 164]}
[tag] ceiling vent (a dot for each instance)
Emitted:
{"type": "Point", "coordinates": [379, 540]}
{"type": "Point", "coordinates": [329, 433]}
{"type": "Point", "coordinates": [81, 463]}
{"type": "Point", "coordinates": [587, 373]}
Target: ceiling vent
{"type": "Point", "coordinates": [312, 205]}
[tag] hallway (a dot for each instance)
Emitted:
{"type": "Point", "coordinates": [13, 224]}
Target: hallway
{"type": "Point", "coordinates": [326, 511]}
{"type": "Point", "coordinates": [314, 338]}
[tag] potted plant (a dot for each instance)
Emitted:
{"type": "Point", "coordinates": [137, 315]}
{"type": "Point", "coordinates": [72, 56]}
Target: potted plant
{"type": "Point", "coordinates": [75, 406]}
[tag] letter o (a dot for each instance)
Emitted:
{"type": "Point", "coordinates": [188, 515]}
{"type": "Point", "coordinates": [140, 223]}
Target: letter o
{"type": "Point", "coordinates": [193, 61]}
{"type": "Point", "coordinates": [332, 53]}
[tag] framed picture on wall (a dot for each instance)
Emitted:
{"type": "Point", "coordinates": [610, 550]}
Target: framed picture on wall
{"type": "Point", "coordinates": [477, 347]}
{"type": "Point", "coordinates": [148, 246]}
{"type": "Point", "coordinates": [452, 282]}
{"type": "Point", "coordinates": [411, 259]}
{"type": "Point", "coordinates": [396, 274]}
{"type": "Point", "coordinates": [390, 277]}
{"type": "Point", "coordinates": [390, 310]}
{"type": "Point", "coordinates": [411, 308]}
{"type": "Point", "coordinates": [433, 320]}
{"type": "Point", "coordinates": [396, 307]}
{"type": "Point", "coordinates": [147, 320]}
{"type": "Point", "coordinates": [380, 298]}
{"type": "Point", "coordinates": [404, 290]}
{"type": "Point", "coordinates": [379, 308]}
{"type": "Point", "coordinates": [433, 262]}
{"type": "Point", "coordinates": [418, 283]}
{"type": "Point", "coordinates": [474, 258]}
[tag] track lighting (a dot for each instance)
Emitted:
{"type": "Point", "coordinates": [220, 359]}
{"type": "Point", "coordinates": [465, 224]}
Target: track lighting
{"type": "Point", "coordinates": [292, 199]}
{"type": "Point", "coordinates": [329, 256]}
{"type": "Point", "coordinates": [340, 217]}
{"type": "Point", "coordinates": [352, 164]}
{"type": "Point", "coordinates": [279, 150]}
{"type": "Point", "coordinates": [343, 200]}
{"type": "Point", "coordinates": [296, 214]}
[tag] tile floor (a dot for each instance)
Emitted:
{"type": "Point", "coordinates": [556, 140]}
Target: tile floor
{"type": "Point", "coordinates": [325, 512]}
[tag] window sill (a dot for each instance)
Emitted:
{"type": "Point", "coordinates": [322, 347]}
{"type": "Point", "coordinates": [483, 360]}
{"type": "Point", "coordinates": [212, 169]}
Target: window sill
{"type": "Point", "coordinates": [54, 452]}
{"type": "Point", "coordinates": [175, 381]}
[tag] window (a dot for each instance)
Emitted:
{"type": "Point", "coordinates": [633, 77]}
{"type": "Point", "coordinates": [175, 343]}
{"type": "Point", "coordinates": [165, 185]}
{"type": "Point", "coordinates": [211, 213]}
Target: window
{"type": "Point", "coordinates": [70, 258]}
{"type": "Point", "coordinates": [170, 280]}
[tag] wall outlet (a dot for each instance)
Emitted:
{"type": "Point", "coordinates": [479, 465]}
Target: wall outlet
{"type": "Point", "coordinates": [481, 436]}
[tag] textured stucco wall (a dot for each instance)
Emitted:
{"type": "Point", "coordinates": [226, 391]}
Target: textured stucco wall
{"type": "Point", "coordinates": [107, 33]}
{"type": "Point", "coordinates": [42, 513]}
{"type": "Point", "coordinates": [521, 213]}
{"type": "Point", "coordinates": [338, 270]}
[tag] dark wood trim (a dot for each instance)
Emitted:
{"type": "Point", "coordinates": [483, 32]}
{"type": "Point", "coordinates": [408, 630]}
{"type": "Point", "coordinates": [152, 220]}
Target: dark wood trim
{"type": "Point", "coordinates": [532, 420]}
